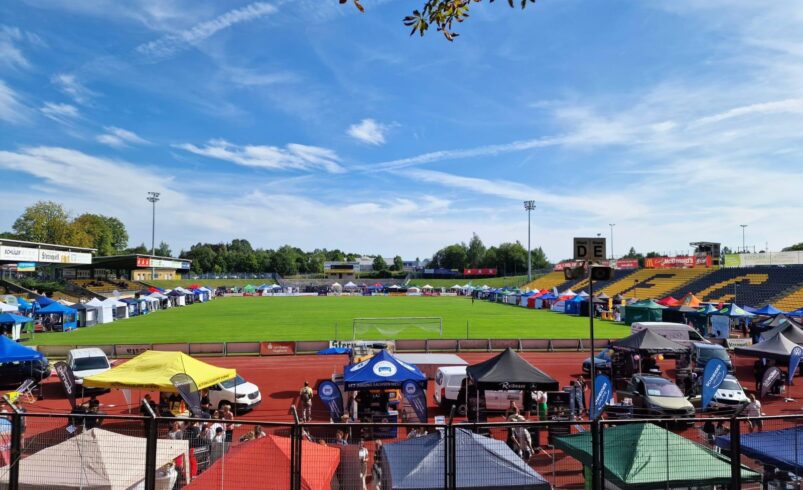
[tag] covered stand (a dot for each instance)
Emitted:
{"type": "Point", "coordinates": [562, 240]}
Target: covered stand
{"type": "Point", "coordinates": [14, 323]}
{"type": "Point", "coordinates": [645, 456]}
{"type": "Point", "coordinates": [506, 371]}
{"type": "Point", "coordinates": [643, 311]}
{"type": "Point", "coordinates": [779, 320]}
{"type": "Point", "coordinates": [105, 311]}
{"type": "Point", "coordinates": [87, 314]}
{"type": "Point", "coordinates": [58, 317]}
{"type": "Point", "coordinates": [768, 310]}
{"type": "Point", "coordinates": [94, 460]}
{"type": "Point", "coordinates": [782, 449]}
{"type": "Point", "coordinates": [789, 330]}
{"type": "Point", "coordinates": [236, 471]}
{"type": "Point", "coordinates": [645, 343]}
{"type": "Point", "coordinates": [777, 347]}
{"type": "Point", "coordinates": [483, 463]}
{"type": "Point", "coordinates": [119, 309]}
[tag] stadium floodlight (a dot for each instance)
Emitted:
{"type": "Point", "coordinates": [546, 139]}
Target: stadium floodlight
{"type": "Point", "coordinates": [744, 247]}
{"type": "Point", "coordinates": [529, 206]}
{"type": "Point", "coordinates": [153, 198]}
{"type": "Point", "coordinates": [611, 225]}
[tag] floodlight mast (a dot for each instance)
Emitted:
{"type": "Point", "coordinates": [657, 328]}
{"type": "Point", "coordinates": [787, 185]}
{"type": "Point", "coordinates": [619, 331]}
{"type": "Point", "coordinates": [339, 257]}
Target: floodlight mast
{"type": "Point", "coordinates": [529, 206]}
{"type": "Point", "coordinates": [153, 198]}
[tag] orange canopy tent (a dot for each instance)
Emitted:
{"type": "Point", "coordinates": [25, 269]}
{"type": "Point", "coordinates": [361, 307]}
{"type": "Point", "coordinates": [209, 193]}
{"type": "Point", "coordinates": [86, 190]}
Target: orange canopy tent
{"type": "Point", "coordinates": [265, 463]}
{"type": "Point", "coordinates": [690, 300]}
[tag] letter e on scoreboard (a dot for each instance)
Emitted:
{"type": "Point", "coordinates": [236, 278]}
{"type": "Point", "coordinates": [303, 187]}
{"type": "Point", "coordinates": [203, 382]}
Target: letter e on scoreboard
{"type": "Point", "coordinates": [589, 249]}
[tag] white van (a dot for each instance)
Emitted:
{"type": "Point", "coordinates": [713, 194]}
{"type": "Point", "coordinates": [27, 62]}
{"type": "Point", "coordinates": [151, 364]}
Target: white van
{"type": "Point", "coordinates": [450, 390]}
{"type": "Point", "coordinates": [676, 332]}
{"type": "Point", "coordinates": [240, 394]}
{"type": "Point", "coordinates": [88, 362]}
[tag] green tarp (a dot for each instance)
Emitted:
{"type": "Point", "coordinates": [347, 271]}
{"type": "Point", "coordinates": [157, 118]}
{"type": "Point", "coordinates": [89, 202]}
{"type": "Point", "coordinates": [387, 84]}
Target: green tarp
{"type": "Point", "coordinates": [647, 456]}
{"type": "Point", "coordinates": [643, 311]}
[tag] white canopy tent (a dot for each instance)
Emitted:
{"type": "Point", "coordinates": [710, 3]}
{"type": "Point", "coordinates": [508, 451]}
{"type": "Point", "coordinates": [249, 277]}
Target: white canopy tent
{"type": "Point", "coordinates": [119, 308]}
{"type": "Point", "coordinates": [6, 308]}
{"type": "Point", "coordinates": [350, 285]}
{"type": "Point", "coordinates": [94, 460]}
{"type": "Point", "coordinates": [337, 287]}
{"type": "Point", "coordinates": [104, 310]}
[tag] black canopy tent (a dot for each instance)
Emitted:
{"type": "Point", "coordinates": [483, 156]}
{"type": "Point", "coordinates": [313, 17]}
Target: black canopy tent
{"type": "Point", "coordinates": [678, 314]}
{"type": "Point", "coordinates": [779, 320]}
{"type": "Point", "coordinates": [789, 330]}
{"type": "Point", "coordinates": [648, 342]}
{"type": "Point", "coordinates": [777, 347]}
{"type": "Point", "coordinates": [508, 371]}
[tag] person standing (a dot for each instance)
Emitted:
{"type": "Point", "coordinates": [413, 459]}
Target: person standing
{"type": "Point", "coordinates": [376, 468]}
{"type": "Point", "coordinates": [228, 417]}
{"type": "Point", "coordinates": [362, 454]}
{"type": "Point", "coordinates": [305, 397]}
{"type": "Point", "coordinates": [580, 394]}
{"type": "Point", "coordinates": [753, 410]}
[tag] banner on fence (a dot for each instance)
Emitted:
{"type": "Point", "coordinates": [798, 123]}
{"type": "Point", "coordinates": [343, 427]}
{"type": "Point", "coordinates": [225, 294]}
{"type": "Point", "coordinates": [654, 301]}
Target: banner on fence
{"type": "Point", "coordinates": [603, 392]}
{"type": "Point", "coordinates": [480, 272]}
{"type": "Point", "coordinates": [277, 348]}
{"type": "Point", "coordinates": [681, 261]}
{"type": "Point", "coordinates": [713, 375]}
{"type": "Point", "coordinates": [330, 395]}
{"type": "Point", "coordinates": [67, 379]}
{"type": "Point", "coordinates": [794, 360]}
{"type": "Point", "coordinates": [416, 398]}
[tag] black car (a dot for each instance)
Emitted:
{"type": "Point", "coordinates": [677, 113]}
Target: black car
{"type": "Point", "coordinates": [13, 374]}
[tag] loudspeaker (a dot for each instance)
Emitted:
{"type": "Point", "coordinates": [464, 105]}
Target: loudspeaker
{"type": "Point", "coordinates": [601, 273]}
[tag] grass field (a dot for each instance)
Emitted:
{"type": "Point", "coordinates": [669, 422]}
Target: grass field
{"type": "Point", "coordinates": [317, 318]}
{"type": "Point", "coordinates": [212, 283]}
{"type": "Point", "coordinates": [494, 282]}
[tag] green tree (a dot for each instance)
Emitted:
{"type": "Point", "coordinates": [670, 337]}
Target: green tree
{"type": "Point", "coordinates": [539, 259]}
{"type": "Point", "coordinates": [490, 259]}
{"type": "Point", "coordinates": [793, 248]}
{"type": "Point", "coordinates": [475, 251]}
{"type": "Point", "coordinates": [45, 221]}
{"type": "Point", "coordinates": [454, 257]}
{"type": "Point", "coordinates": [379, 264]}
{"type": "Point", "coordinates": [284, 261]}
{"type": "Point", "coordinates": [632, 254]}
{"type": "Point", "coordinates": [398, 263]}
{"type": "Point", "coordinates": [163, 250]}
{"type": "Point", "coordinates": [108, 235]}
{"type": "Point", "coordinates": [139, 249]}
{"type": "Point", "coordinates": [512, 257]}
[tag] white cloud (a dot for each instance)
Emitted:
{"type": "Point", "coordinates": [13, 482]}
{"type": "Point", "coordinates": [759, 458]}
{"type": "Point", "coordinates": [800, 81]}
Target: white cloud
{"type": "Point", "coordinates": [790, 106]}
{"type": "Point", "coordinates": [368, 131]}
{"type": "Point", "coordinates": [11, 110]}
{"type": "Point", "coordinates": [292, 157]}
{"type": "Point", "coordinates": [173, 43]}
{"type": "Point", "coordinates": [118, 137]}
{"type": "Point", "coordinates": [69, 85]}
{"type": "Point", "coordinates": [61, 113]}
{"type": "Point", "coordinates": [10, 54]}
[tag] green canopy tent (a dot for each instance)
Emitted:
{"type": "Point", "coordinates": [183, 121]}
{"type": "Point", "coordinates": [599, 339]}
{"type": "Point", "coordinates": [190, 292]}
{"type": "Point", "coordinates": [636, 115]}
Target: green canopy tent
{"type": "Point", "coordinates": [643, 311]}
{"type": "Point", "coordinates": [250, 289]}
{"type": "Point", "coordinates": [645, 456]}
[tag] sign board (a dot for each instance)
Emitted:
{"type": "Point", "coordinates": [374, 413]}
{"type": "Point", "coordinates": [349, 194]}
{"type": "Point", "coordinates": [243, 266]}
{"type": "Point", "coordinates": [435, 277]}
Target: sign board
{"type": "Point", "coordinates": [589, 249]}
{"type": "Point", "coordinates": [277, 348]}
{"type": "Point", "coordinates": [26, 267]}
{"type": "Point", "coordinates": [19, 254]}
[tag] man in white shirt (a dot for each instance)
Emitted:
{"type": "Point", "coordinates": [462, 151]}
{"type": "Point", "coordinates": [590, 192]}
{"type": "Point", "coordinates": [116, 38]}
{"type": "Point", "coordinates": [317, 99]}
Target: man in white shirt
{"type": "Point", "coordinates": [363, 455]}
{"type": "Point", "coordinates": [753, 410]}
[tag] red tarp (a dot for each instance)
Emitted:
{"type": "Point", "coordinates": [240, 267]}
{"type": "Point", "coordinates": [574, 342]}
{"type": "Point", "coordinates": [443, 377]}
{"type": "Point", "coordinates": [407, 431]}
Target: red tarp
{"type": "Point", "coordinates": [265, 463]}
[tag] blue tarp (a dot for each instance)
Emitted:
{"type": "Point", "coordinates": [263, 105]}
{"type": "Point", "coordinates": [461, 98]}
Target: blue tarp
{"type": "Point", "coordinates": [44, 301]}
{"type": "Point", "coordinates": [11, 351]}
{"type": "Point", "coordinates": [548, 296]}
{"type": "Point", "coordinates": [780, 448]}
{"type": "Point", "coordinates": [482, 463]}
{"type": "Point", "coordinates": [768, 310]}
{"type": "Point", "coordinates": [381, 371]}
{"type": "Point", "coordinates": [22, 304]}
{"type": "Point", "coordinates": [12, 318]}
{"type": "Point", "coordinates": [334, 350]}
{"type": "Point", "coordinates": [55, 307]}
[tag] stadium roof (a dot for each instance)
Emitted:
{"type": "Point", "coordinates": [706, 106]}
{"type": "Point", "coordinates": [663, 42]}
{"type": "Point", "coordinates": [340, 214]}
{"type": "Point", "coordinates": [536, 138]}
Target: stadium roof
{"type": "Point", "coordinates": [65, 248]}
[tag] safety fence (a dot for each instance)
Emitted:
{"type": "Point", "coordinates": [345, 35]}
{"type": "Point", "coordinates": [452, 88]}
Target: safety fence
{"type": "Point", "coordinates": [107, 451]}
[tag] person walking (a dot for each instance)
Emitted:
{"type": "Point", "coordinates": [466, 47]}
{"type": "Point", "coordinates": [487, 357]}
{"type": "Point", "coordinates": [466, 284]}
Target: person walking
{"type": "Point", "coordinates": [305, 397]}
{"type": "Point", "coordinates": [362, 454]}
{"type": "Point", "coordinates": [753, 410]}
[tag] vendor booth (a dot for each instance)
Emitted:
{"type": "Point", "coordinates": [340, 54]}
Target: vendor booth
{"type": "Point", "coordinates": [56, 317]}
{"type": "Point", "coordinates": [96, 460]}
{"type": "Point", "coordinates": [573, 305]}
{"type": "Point", "coordinates": [482, 463]}
{"type": "Point", "coordinates": [678, 314]}
{"type": "Point", "coordinates": [506, 371]}
{"type": "Point", "coordinates": [236, 472]}
{"type": "Point", "coordinates": [789, 330]}
{"type": "Point", "coordinates": [105, 311]}
{"type": "Point", "coordinates": [768, 310]}
{"type": "Point", "coordinates": [779, 320]}
{"type": "Point", "coordinates": [377, 385]}
{"type": "Point", "coordinates": [87, 315]}
{"type": "Point", "coordinates": [177, 298]}
{"type": "Point", "coordinates": [643, 311]}
{"type": "Point", "coordinates": [634, 354]}
{"type": "Point", "coordinates": [11, 324]}
{"type": "Point", "coordinates": [645, 456]}
{"type": "Point", "coordinates": [119, 309]}
{"type": "Point", "coordinates": [780, 451]}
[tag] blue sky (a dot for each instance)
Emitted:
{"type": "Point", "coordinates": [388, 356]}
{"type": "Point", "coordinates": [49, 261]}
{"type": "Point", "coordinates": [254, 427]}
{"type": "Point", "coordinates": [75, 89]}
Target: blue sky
{"type": "Point", "coordinates": [306, 122]}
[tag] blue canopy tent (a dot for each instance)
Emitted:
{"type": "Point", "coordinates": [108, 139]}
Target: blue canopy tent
{"type": "Point", "coordinates": [334, 351]}
{"type": "Point", "coordinates": [11, 351]}
{"type": "Point", "coordinates": [24, 305]}
{"type": "Point", "coordinates": [56, 317]}
{"type": "Point", "coordinates": [16, 322]}
{"type": "Point", "coordinates": [734, 311]}
{"type": "Point", "coordinates": [798, 312]}
{"type": "Point", "coordinates": [573, 305]}
{"type": "Point", "coordinates": [768, 310]}
{"type": "Point", "coordinates": [782, 448]}
{"type": "Point", "coordinates": [482, 463]}
{"type": "Point", "coordinates": [381, 371]}
{"type": "Point", "coordinates": [43, 301]}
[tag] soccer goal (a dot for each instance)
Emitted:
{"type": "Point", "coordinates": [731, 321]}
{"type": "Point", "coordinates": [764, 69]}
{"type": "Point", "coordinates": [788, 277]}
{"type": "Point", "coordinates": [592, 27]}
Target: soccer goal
{"type": "Point", "coordinates": [391, 327]}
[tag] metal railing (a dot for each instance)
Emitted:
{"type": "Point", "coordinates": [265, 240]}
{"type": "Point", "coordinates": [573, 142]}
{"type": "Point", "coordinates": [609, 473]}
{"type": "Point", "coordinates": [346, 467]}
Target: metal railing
{"type": "Point", "coordinates": [86, 450]}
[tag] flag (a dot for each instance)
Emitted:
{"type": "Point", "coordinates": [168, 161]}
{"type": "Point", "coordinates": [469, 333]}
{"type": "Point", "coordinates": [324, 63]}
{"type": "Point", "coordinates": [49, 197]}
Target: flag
{"type": "Point", "coordinates": [188, 390]}
{"type": "Point", "coordinates": [794, 360]}
{"type": "Point", "coordinates": [713, 375]}
{"type": "Point", "coordinates": [330, 395]}
{"type": "Point", "coordinates": [67, 381]}
{"type": "Point", "coordinates": [416, 398]}
{"type": "Point", "coordinates": [603, 392]}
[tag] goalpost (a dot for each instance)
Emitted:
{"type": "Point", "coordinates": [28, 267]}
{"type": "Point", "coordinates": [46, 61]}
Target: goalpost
{"type": "Point", "coordinates": [390, 327]}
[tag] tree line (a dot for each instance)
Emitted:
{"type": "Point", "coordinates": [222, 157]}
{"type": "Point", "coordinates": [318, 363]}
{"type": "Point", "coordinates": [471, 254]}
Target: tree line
{"type": "Point", "coordinates": [508, 258]}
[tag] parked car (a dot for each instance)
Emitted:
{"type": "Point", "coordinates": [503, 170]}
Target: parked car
{"type": "Point", "coordinates": [676, 332]}
{"type": "Point", "coordinates": [654, 396]}
{"type": "Point", "coordinates": [13, 374]}
{"type": "Point", "coordinates": [88, 362]}
{"type": "Point", "coordinates": [450, 386]}
{"type": "Point", "coordinates": [701, 353]}
{"type": "Point", "coordinates": [602, 362]}
{"type": "Point", "coordinates": [729, 395]}
{"type": "Point", "coordinates": [237, 392]}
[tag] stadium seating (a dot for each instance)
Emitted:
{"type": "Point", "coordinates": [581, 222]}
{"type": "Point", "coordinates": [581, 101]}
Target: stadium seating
{"type": "Point", "coordinates": [582, 285]}
{"type": "Point", "coordinates": [752, 286]}
{"type": "Point", "coordinates": [103, 286]}
{"type": "Point", "coordinates": [547, 281]}
{"type": "Point", "coordinates": [653, 283]}
{"type": "Point", "coordinates": [791, 301]}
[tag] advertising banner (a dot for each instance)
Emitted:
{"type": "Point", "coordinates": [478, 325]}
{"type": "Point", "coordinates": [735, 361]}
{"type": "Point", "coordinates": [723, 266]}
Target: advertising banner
{"type": "Point", "coordinates": [624, 264]}
{"type": "Point", "coordinates": [771, 376]}
{"type": "Point", "coordinates": [67, 381]}
{"type": "Point", "coordinates": [188, 390]}
{"type": "Point", "coordinates": [26, 267]}
{"type": "Point", "coordinates": [714, 374]}
{"type": "Point", "coordinates": [277, 348]}
{"type": "Point", "coordinates": [143, 262]}
{"type": "Point", "coordinates": [16, 254]}
{"type": "Point", "coordinates": [681, 261]}
{"type": "Point", "coordinates": [603, 392]}
{"type": "Point", "coordinates": [616, 264]}
{"type": "Point", "coordinates": [768, 258]}
{"type": "Point", "coordinates": [416, 398]}
{"type": "Point", "coordinates": [330, 395]}
{"type": "Point", "coordinates": [794, 360]}
{"type": "Point", "coordinates": [479, 272]}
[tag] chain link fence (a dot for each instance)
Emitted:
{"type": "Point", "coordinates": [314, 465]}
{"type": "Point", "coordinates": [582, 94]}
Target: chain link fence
{"type": "Point", "coordinates": [104, 451]}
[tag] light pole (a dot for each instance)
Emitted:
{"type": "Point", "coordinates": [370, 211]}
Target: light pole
{"type": "Point", "coordinates": [529, 206]}
{"type": "Point", "coordinates": [153, 197]}
{"type": "Point", "coordinates": [744, 248]}
{"type": "Point", "coordinates": [611, 225]}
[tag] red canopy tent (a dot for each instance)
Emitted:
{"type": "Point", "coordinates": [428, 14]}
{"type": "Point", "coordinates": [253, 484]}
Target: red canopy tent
{"type": "Point", "coordinates": [193, 286]}
{"type": "Point", "coordinates": [265, 463]}
{"type": "Point", "coordinates": [668, 301]}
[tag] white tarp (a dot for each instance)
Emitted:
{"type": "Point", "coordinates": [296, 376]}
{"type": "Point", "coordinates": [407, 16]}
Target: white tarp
{"type": "Point", "coordinates": [5, 308]}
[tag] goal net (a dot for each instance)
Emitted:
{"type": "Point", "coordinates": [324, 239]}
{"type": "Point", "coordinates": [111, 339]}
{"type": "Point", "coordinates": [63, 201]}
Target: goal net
{"type": "Point", "coordinates": [391, 327]}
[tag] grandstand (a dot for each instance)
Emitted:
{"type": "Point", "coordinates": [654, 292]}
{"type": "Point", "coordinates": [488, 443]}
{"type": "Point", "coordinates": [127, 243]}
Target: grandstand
{"type": "Point", "coordinates": [791, 301]}
{"type": "Point", "coordinates": [751, 286]}
{"type": "Point", "coordinates": [547, 281]}
{"type": "Point", "coordinates": [654, 283]}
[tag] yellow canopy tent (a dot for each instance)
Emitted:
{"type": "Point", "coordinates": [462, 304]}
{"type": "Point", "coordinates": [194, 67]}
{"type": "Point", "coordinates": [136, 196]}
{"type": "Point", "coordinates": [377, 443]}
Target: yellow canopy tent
{"type": "Point", "coordinates": [152, 370]}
